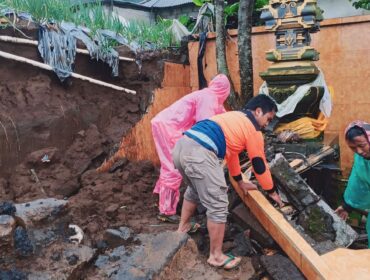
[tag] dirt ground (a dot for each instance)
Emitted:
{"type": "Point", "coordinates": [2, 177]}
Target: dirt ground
{"type": "Point", "coordinates": [76, 127]}
{"type": "Point", "coordinates": [54, 136]}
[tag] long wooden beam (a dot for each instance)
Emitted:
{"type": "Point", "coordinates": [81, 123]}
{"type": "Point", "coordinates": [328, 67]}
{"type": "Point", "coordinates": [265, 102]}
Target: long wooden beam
{"type": "Point", "coordinates": [338, 264]}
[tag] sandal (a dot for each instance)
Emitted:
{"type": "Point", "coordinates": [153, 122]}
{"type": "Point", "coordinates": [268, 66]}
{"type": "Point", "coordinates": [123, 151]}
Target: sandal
{"type": "Point", "coordinates": [173, 219]}
{"type": "Point", "coordinates": [230, 258]}
{"type": "Point", "coordinates": [193, 227]}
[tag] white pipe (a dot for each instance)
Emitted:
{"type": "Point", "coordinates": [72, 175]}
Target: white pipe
{"type": "Point", "coordinates": [35, 43]}
{"type": "Point", "coordinates": [75, 75]}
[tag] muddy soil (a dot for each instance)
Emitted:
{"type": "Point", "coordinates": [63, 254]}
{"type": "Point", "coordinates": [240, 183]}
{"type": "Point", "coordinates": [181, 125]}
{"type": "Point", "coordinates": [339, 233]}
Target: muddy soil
{"type": "Point", "coordinates": [73, 128]}
{"type": "Point", "coordinates": [188, 263]}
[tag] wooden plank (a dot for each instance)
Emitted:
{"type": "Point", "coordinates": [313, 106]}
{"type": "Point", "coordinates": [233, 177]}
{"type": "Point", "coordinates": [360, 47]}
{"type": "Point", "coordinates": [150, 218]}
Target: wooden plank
{"type": "Point", "coordinates": [298, 250]}
{"type": "Point", "coordinates": [338, 264]}
{"type": "Point", "coordinates": [350, 264]}
{"type": "Point", "coordinates": [299, 165]}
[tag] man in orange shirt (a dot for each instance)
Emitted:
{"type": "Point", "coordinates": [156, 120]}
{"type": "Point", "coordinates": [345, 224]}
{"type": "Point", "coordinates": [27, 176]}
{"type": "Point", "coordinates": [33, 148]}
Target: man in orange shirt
{"type": "Point", "coordinates": [199, 154]}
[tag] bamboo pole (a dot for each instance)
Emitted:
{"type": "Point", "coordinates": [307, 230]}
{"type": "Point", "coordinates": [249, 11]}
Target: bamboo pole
{"type": "Point", "coordinates": [75, 75]}
{"type": "Point", "coordinates": [35, 43]}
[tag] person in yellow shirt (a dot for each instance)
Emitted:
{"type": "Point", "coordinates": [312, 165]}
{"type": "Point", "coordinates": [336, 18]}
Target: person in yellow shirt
{"type": "Point", "coordinates": [199, 154]}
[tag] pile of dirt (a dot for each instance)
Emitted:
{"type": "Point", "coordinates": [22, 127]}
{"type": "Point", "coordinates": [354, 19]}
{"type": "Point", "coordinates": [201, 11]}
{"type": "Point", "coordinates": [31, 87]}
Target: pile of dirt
{"type": "Point", "coordinates": [122, 198]}
{"type": "Point", "coordinates": [53, 136]}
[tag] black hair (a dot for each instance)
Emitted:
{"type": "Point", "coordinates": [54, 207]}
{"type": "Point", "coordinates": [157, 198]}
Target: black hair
{"type": "Point", "coordinates": [266, 103]}
{"type": "Point", "coordinates": [354, 132]}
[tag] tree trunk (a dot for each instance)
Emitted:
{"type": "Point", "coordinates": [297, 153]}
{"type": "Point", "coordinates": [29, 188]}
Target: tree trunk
{"type": "Point", "coordinates": [221, 38]}
{"type": "Point", "coordinates": [245, 51]}
{"type": "Point", "coordinates": [111, 7]}
{"type": "Point", "coordinates": [221, 50]}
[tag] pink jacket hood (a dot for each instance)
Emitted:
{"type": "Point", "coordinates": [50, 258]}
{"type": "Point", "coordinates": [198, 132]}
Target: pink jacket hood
{"type": "Point", "coordinates": [220, 86]}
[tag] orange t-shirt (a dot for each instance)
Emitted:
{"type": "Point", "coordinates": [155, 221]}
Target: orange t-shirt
{"type": "Point", "coordinates": [241, 134]}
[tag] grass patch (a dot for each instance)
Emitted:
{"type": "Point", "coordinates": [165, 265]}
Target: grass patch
{"type": "Point", "coordinates": [95, 17]}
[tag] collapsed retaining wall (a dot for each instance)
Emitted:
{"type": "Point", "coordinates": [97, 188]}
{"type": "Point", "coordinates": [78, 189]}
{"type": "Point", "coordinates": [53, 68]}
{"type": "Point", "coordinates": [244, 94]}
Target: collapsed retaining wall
{"type": "Point", "coordinates": [52, 138]}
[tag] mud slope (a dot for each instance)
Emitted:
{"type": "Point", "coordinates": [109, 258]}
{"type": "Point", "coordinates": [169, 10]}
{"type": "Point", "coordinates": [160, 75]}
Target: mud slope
{"type": "Point", "coordinates": [75, 128]}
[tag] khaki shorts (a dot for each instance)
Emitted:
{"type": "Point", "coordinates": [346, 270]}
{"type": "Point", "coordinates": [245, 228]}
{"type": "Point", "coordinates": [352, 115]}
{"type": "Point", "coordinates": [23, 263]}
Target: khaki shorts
{"type": "Point", "coordinates": [204, 174]}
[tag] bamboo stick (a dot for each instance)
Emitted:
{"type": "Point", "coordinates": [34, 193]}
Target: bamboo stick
{"type": "Point", "coordinates": [75, 75]}
{"type": "Point", "coordinates": [35, 43]}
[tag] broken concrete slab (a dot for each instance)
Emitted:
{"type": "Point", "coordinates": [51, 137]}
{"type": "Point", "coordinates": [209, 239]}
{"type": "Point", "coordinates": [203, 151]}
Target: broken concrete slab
{"type": "Point", "coordinates": [281, 268]}
{"type": "Point", "coordinates": [300, 195]}
{"type": "Point", "coordinates": [345, 234]}
{"type": "Point", "coordinates": [33, 213]}
{"type": "Point", "coordinates": [243, 216]}
{"type": "Point", "coordinates": [317, 223]}
{"type": "Point", "coordinates": [142, 261]}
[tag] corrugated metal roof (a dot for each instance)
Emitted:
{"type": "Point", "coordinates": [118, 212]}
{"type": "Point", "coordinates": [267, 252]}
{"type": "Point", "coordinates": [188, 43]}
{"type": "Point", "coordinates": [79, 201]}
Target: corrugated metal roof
{"type": "Point", "coordinates": [132, 1]}
{"type": "Point", "coordinates": [164, 3]}
{"type": "Point", "coordinates": [146, 4]}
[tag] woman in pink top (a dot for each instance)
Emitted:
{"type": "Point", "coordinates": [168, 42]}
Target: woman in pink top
{"type": "Point", "coordinates": [167, 128]}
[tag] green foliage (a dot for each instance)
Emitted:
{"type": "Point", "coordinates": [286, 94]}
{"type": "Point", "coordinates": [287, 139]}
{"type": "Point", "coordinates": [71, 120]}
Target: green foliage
{"type": "Point", "coordinates": [200, 3]}
{"type": "Point", "coordinates": [149, 36]}
{"type": "Point", "coordinates": [94, 17]}
{"type": "Point", "coordinates": [41, 10]}
{"type": "Point", "coordinates": [187, 21]}
{"type": "Point", "coordinates": [361, 4]}
{"type": "Point", "coordinates": [231, 10]}
{"type": "Point", "coordinates": [260, 4]}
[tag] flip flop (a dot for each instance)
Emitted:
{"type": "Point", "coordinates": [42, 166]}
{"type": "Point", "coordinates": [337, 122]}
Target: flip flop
{"type": "Point", "coordinates": [193, 227]}
{"type": "Point", "coordinates": [173, 219]}
{"type": "Point", "coordinates": [230, 258]}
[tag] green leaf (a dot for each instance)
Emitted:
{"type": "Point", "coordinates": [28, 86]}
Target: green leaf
{"type": "Point", "coordinates": [231, 9]}
{"type": "Point", "coordinates": [198, 3]}
{"type": "Point", "coordinates": [260, 4]}
{"type": "Point", "coordinates": [184, 19]}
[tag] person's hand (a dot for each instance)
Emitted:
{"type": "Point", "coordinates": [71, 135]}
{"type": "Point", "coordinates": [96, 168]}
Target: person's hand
{"type": "Point", "coordinates": [341, 213]}
{"type": "Point", "coordinates": [247, 186]}
{"type": "Point", "coordinates": [276, 197]}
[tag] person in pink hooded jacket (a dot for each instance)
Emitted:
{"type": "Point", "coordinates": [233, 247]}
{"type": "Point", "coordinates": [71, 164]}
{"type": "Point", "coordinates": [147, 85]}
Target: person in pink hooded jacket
{"type": "Point", "coordinates": [168, 126]}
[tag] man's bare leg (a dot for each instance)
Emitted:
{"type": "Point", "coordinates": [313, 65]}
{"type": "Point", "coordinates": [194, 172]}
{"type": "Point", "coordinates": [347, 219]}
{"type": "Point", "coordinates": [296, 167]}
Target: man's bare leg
{"type": "Point", "coordinates": [187, 211]}
{"type": "Point", "coordinates": [216, 237]}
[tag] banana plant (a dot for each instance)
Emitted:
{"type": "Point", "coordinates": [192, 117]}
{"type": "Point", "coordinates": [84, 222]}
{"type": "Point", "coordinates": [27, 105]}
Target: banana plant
{"type": "Point", "coordinates": [231, 10]}
{"type": "Point", "coordinates": [200, 3]}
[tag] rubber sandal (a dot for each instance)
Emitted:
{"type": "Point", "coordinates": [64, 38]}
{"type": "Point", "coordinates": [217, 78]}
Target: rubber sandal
{"type": "Point", "coordinates": [193, 228]}
{"type": "Point", "coordinates": [173, 219]}
{"type": "Point", "coordinates": [230, 258]}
